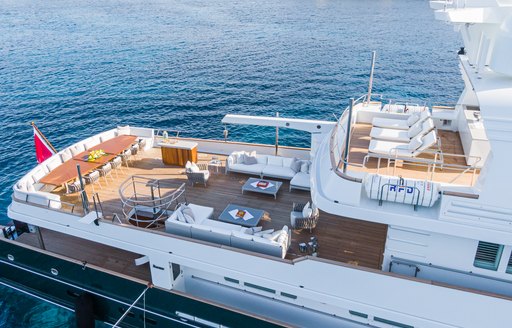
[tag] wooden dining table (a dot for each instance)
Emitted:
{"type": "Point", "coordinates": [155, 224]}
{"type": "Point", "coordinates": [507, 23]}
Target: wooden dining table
{"type": "Point", "coordinates": [68, 170]}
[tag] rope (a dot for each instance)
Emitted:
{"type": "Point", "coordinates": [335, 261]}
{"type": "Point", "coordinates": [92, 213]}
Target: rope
{"type": "Point", "coordinates": [131, 306]}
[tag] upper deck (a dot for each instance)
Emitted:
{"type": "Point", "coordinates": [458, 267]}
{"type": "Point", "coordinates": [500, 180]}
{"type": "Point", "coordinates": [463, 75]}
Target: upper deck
{"type": "Point", "coordinates": [340, 239]}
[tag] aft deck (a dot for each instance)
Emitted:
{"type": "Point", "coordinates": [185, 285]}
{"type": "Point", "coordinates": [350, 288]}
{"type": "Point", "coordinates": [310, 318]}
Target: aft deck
{"type": "Point", "coordinates": [453, 160]}
{"type": "Point", "coordinates": [340, 239]}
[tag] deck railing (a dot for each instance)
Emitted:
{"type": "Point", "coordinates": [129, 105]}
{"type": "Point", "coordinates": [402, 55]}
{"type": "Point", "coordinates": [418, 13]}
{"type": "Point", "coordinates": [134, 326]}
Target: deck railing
{"type": "Point", "coordinates": [162, 197]}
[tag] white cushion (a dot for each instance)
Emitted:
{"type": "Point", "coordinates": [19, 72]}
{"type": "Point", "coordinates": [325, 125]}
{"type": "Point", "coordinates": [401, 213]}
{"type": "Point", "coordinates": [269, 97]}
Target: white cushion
{"type": "Point", "coordinates": [262, 159]}
{"type": "Point", "coordinates": [304, 167]}
{"type": "Point", "coordinates": [38, 174]}
{"type": "Point", "coordinates": [275, 161]}
{"type": "Point", "coordinates": [123, 130]}
{"type": "Point", "coordinates": [188, 214]}
{"type": "Point", "coordinates": [250, 169]}
{"type": "Point", "coordinates": [66, 155]}
{"type": "Point", "coordinates": [193, 167]}
{"type": "Point", "coordinates": [278, 172]}
{"type": "Point", "coordinates": [415, 143]}
{"type": "Point", "coordinates": [180, 217]}
{"type": "Point", "coordinates": [415, 130]}
{"type": "Point", "coordinates": [287, 162]}
{"type": "Point", "coordinates": [264, 232]}
{"type": "Point", "coordinates": [201, 212]}
{"type": "Point", "coordinates": [413, 119]}
{"type": "Point", "coordinates": [52, 164]}
{"type": "Point", "coordinates": [305, 211]}
{"type": "Point", "coordinates": [239, 157]}
{"type": "Point", "coordinates": [79, 148]}
{"type": "Point", "coordinates": [301, 180]}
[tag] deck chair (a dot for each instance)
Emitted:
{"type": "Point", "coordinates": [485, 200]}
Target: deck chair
{"type": "Point", "coordinates": [412, 149]}
{"type": "Point", "coordinates": [400, 124]}
{"type": "Point", "coordinates": [418, 129]}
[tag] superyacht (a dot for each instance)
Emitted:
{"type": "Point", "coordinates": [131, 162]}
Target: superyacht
{"type": "Point", "coordinates": [397, 215]}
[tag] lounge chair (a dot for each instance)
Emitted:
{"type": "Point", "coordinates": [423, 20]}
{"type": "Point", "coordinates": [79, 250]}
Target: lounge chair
{"type": "Point", "coordinates": [418, 129]}
{"type": "Point", "coordinates": [400, 124]}
{"type": "Point", "coordinates": [197, 173]}
{"type": "Point", "coordinates": [412, 149]}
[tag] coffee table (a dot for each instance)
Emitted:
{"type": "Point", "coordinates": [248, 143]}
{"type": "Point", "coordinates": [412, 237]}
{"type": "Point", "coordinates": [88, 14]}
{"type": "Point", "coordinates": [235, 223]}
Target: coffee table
{"type": "Point", "coordinates": [252, 185]}
{"type": "Point", "coordinates": [251, 217]}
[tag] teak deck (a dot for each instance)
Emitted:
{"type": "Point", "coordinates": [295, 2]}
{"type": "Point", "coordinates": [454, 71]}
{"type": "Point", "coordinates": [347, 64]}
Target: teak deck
{"type": "Point", "coordinates": [450, 144]}
{"type": "Point", "coordinates": [340, 239]}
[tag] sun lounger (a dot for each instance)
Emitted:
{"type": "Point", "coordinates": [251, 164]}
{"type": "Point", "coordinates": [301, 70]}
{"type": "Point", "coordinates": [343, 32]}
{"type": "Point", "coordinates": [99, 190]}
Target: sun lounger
{"type": "Point", "coordinates": [418, 129]}
{"type": "Point", "coordinates": [412, 149]}
{"type": "Point", "coordinates": [400, 124]}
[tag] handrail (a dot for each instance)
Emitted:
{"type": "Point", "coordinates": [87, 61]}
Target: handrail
{"type": "Point", "coordinates": [157, 204]}
{"type": "Point", "coordinates": [431, 164]}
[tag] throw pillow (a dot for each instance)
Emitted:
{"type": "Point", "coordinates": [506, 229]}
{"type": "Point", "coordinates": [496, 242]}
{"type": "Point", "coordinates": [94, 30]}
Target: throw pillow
{"type": "Point", "coordinates": [239, 157]}
{"type": "Point", "coordinates": [188, 214]}
{"type": "Point", "coordinates": [295, 166]}
{"type": "Point", "coordinates": [181, 217]}
{"type": "Point", "coordinates": [194, 167]}
{"type": "Point", "coordinates": [264, 232]}
{"type": "Point", "coordinates": [415, 143]}
{"type": "Point", "coordinates": [413, 119]}
{"type": "Point", "coordinates": [306, 211]}
{"type": "Point", "coordinates": [250, 160]}
{"type": "Point", "coordinates": [304, 167]}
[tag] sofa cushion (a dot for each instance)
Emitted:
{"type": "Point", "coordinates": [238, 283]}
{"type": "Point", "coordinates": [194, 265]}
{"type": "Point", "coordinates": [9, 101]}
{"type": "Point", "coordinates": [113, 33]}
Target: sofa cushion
{"type": "Point", "coordinates": [177, 228]}
{"type": "Point", "coordinates": [201, 213]}
{"type": "Point", "coordinates": [301, 180]}
{"type": "Point", "coordinates": [250, 160]}
{"type": "Point", "coordinates": [66, 155]}
{"type": "Point", "coordinates": [304, 167]}
{"type": "Point", "coordinates": [38, 174]}
{"type": "Point", "coordinates": [239, 157]}
{"type": "Point", "coordinates": [221, 225]}
{"type": "Point", "coordinates": [262, 159]}
{"type": "Point", "coordinates": [188, 214]}
{"type": "Point", "coordinates": [295, 165]}
{"type": "Point", "coordinates": [53, 163]}
{"type": "Point", "coordinates": [288, 161]}
{"type": "Point", "coordinates": [275, 161]}
{"type": "Point", "coordinates": [250, 169]}
{"type": "Point", "coordinates": [278, 172]}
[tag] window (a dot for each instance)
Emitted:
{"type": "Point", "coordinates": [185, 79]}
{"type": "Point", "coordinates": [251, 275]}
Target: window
{"type": "Point", "coordinates": [488, 255]}
{"type": "Point", "coordinates": [509, 264]}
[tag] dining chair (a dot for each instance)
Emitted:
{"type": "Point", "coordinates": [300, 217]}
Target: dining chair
{"type": "Point", "coordinates": [106, 171]}
{"type": "Point", "coordinates": [117, 164]}
{"type": "Point", "coordinates": [93, 178]}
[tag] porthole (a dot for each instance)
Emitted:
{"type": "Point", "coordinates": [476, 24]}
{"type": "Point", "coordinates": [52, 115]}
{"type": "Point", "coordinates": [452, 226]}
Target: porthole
{"type": "Point", "coordinates": [10, 257]}
{"type": "Point", "coordinates": [54, 271]}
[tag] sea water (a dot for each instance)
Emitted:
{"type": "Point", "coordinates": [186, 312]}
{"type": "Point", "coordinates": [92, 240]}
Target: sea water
{"type": "Point", "coordinates": [80, 67]}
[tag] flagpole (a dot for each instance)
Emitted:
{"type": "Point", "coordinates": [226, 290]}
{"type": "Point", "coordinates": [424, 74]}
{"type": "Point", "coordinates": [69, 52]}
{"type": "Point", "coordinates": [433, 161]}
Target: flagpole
{"type": "Point", "coordinates": [42, 135]}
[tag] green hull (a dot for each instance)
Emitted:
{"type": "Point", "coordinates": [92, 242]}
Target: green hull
{"type": "Point", "coordinates": [31, 270]}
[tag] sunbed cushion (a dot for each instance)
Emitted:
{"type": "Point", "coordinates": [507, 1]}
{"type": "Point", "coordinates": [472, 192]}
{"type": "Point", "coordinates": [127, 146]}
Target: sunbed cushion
{"type": "Point", "coordinates": [415, 129]}
{"type": "Point", "coordinates": [413, 119]}
{"type": "Point", "coordinates": [415, 143]}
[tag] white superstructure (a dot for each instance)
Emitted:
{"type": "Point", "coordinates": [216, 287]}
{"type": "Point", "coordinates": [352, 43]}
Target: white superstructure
{"type": "Point", "coordinates": [448, 254]}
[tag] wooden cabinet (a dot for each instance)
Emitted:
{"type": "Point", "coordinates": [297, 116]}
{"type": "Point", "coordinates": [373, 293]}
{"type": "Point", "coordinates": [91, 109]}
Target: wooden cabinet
{"type": "Point", "coordinates": [179, 152]}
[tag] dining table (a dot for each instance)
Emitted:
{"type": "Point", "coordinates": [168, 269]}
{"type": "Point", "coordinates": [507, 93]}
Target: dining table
{"type": "Point", "coordinates": [67, 171]}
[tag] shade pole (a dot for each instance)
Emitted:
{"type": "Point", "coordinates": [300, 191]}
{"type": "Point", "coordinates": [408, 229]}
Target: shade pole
{"type": "Point", "coordinates": [277, 134]}
{"type": "Point", "coordinates": [347, 136]}
{"type": "Point", "coordinates": [370, 83]}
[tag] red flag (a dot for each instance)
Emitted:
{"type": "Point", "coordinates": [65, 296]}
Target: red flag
{"type": "Point", "coordinates": [44, 149]}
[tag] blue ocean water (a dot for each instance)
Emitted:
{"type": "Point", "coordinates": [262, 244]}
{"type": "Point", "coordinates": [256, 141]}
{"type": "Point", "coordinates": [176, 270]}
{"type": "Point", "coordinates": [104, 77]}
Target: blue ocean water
{"type": "Point", "coordinates": [80, 67]}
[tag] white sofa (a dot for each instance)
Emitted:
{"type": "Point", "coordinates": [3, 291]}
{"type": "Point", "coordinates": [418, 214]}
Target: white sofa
{"type": "Point", "coordinates": [270, 166]}
{"type": "Point", "coordinates": [275, 243]}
